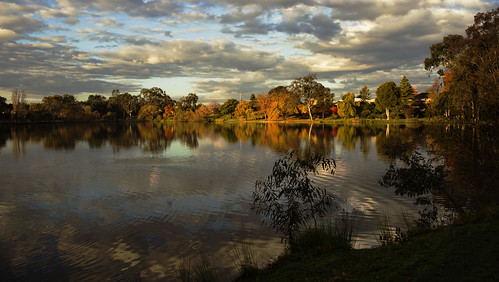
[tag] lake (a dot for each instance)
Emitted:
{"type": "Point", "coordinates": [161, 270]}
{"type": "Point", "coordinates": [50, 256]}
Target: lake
{"type": "Point", "coordinates": [129, 201]}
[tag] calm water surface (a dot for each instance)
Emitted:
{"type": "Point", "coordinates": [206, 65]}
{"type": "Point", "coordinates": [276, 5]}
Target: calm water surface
{"type": "Point", "coordinates": [131, 201]}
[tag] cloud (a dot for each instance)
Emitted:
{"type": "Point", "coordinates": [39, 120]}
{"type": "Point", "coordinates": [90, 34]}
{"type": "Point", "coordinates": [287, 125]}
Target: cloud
{"type": "Point", "coordinates": [223, 46]}
{"type": "Point", "coordinates": [13, 18]}
{"type": "Point", "coordinates": [320, 25]}
{"type": "Point", "coordinates": [190, 57]}
{"type": "Point", "coordinates": [7, 34]}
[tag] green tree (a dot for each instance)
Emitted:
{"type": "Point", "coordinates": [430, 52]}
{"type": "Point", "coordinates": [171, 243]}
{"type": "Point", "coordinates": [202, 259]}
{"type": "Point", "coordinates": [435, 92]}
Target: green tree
{"type": "Point", "coordinates": [253, 102]}
{"type": "Point", "coordinates": [129, 103]}
{"type": "Point", "coordinates": [406, 96]}
{"type": "Point", "coordinates": [4, 108]}
{"type": "Point", "coordinates": [346, 107]}
{"type": "Point", "coordinates": [156, 97]}
{"type": "Point", "coordinates": [406, 92]}
{"type": "Point", "coordinates": [229, 106]}
{"type": "Point", "coordinates": [38, 112]}
{"type": "Point", "coordinates": [325, 103]}
{"type": "Point", "coordinates": [97, 103]}
{"type": "Point", "coordinates": [387, 97]}
{"type": "Point", "coordinates": [64, 107]}
{"type": "Point", "coordinates": [188, 103]}
{"type": "Point", "coordinates": [364, 94]}
{"type": "Point", "coordinates": [309, 91]}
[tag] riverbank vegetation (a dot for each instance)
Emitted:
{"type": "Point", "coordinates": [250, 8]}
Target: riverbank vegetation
{"type": "Point", "coordinates": [466, 90]}
{"type": "Point", "coordinates": [466, 251]}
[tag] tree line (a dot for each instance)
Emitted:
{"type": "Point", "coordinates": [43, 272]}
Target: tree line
{"type": "Point", "coordinates": [304, 98]}
{"type": "Point", "coordinates": [468, 69]}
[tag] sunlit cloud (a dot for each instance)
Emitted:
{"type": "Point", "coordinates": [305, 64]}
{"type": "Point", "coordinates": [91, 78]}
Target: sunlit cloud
{"type": "Point", "coordinates": [220, 48]}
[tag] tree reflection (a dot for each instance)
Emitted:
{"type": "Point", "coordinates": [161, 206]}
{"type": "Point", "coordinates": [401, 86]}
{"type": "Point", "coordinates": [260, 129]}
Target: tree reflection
{"type": "Point", "coordinates": [471, 153]}
{"type": "Point", "coordinates": [455, 167]}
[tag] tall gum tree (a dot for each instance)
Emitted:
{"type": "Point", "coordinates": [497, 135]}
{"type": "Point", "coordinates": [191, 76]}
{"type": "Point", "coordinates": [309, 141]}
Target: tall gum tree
{"type": "Point", "coordinates": [309, 91]}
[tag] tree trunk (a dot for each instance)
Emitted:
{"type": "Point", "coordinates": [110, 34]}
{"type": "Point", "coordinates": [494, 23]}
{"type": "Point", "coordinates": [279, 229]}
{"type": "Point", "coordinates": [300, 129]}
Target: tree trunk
{"type": "Point", "coordinates": [310, 113]}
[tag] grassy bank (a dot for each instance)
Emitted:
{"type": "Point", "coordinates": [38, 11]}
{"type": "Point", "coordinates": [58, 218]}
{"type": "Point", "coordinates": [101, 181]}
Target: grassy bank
{"type": "Point", "coordinates": [466, 252]}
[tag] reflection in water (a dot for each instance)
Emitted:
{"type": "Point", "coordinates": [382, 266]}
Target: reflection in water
{"type": "Point", "coordinates": [124, 201]}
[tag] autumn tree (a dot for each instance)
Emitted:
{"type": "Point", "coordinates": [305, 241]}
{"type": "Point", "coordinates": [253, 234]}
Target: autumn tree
{"type": "Point", "coordinates": [243, 110]}
{"type": "Point", "coordinates": [263, 104]}
{"type": "Point", "coordinates": [147, 112]}
{"type": "Point", "coordinates": [282, 103]}
{"type": "Point", "coordinates": [387, 97]}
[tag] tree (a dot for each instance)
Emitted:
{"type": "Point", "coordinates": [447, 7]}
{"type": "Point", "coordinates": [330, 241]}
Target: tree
{"type": "Point", "coordinates": [156, 97]}
{"type": "Point", "coordinates": [189, 103]}
{"type": "Point", "coordinates": [243, 110]}
{"type": "Point", "coordinates": [263, 104]}
{"type": "Point", "coordinates": [387, 97]}
{"type": "Point", "coordinates": [364, 94]}
{"type": "Point", "coordinates": [229, 106]}
{"type": "Point", "coordinates": [147, 112]}
{"type": "Point", "coordinates": [282, 103]}
{"type": "Point", "coordinates": [253, 102]}
{"type": "Point", "coordinates": [129, 103]}
{"type": "Point", "coordinates": [62, 107]}
{"type": "Point", "coordinates": [309, 91]}
{"type": "Point", "coordinates": [4, 108]}
{"type": "Point", "coordinates": [97, 103]}
{"type": "Point", "coordinates": [406, 92]}
{"type": "Point", "coordinates": [325, 103]}
{"type": "Point", "coordinates": [214, 107]}
{"type": "Point", "coordinates": [406, 96]}
{"type": "Point", "coordinates": [346, 107]}
{"type": "Point", "coordinates": [288, 199]}
{"type": "Point", "coordinates": [19, 106]}
{"type": "Point", "coordinates": [474, 64]}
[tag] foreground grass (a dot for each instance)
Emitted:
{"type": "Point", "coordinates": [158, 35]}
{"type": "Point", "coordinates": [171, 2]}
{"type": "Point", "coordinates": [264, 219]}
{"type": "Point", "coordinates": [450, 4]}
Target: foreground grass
{"type": "Point", "coordinates": [468, 252]}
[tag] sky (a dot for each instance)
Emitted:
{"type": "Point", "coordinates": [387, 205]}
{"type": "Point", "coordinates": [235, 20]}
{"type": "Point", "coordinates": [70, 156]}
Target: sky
{"type": "Point", "coordinates": [220, 49]}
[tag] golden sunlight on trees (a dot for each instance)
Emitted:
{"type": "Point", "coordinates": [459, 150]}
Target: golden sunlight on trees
{"type": "Point", "coordinates": [346, 107]}
{"type": "Point", "coordinates": [243, 110]}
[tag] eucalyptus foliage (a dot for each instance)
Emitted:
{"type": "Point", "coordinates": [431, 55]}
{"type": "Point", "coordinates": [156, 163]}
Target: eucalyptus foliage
{"type": "Point", "coordinates": [288, 198]}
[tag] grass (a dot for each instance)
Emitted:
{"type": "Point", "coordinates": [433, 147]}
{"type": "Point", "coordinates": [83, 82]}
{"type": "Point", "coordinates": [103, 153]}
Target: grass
{"type": "Point", "coordinates": [198, 269]}
{"type": "Point", "coordinates": [465, 252]}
